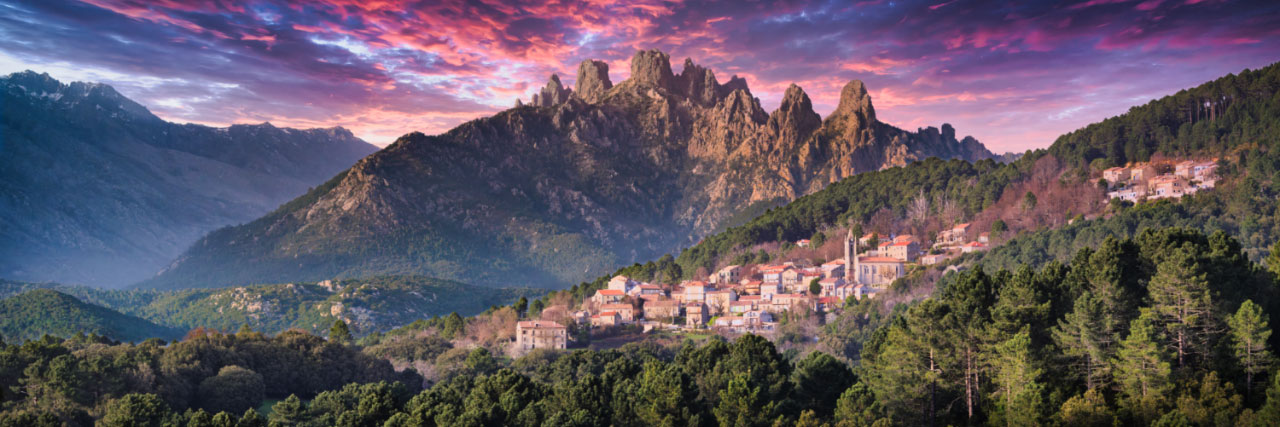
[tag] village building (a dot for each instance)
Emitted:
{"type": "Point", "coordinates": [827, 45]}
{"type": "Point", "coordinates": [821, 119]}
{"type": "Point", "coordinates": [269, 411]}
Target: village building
{"type": "Point", "coordinates": [646, 289]}
{"type": "Point", "coordinates": [878, 271]}
{"type": "Point", "coordinates": [932, 259]}
{"type": "Point", "coordinates": [984, 237]}
{"type": "Point", "coordinates": [608, 296]}
{"type": "Point", "coordinates": [827, 304]}
{"type": "Point", "coordinates": [773, 273]}
{"type": "Point", "coordinates": [1168, 186]}
{"type": "Point", "coordinates": [662, 309]}
{"type": "Point", "coordinates": [605, 318]}
{"type": "Point", "coordinates": [729, 274]}
{"type": "Point", "coordinates": [1142, 173]}
{"type": "Point", "coordinates": [768, 290]}
{"type": "Point", "coordinates": [1116, 176]}
{"type": "Point", "coordinates": [872, 270]}
{"type": "Point", "coordinates": [843, 292]}
{"type": "Point", "coordinates": [1134, 193]}
{"type": "Point", "coordinates": [904, 250]}
{"type": "Point", "coordinates": [739, 307]}
{"type": "Point", "coordinates": [833, 268]}
{"type": "Point", "coordinates": [533, 334]}
{"type": "Point", "coordinates": [750, 287]}
{"type": "Point", "coordinates": [626, 312]}
{"type": "Point", "coordinates": [695, 315]}
{"type": "Point", "coordinates": [718, 301]}
{"type": "Point", "coordinates": [1185, 169]}
{"type": "Point", "coordinates": [803, 243]}
{"type": "Point", "coordinates": [972, 247]}
{"type": "Point", "coordinates": [621, 283]}
{"type": "Point", "coordinates": [830, 284]}
{"type": "Point", "coordinates": [695, 291]}
{"type": "Point", "coordinates": [865, 240]}
{"type": "Point", "coordinates": [954, 235]}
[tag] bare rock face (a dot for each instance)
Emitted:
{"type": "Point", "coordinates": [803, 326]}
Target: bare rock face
{"type": "Point", "coordinates": [652, 68]}
{"type": "Point", "coordinates": [552, 94]}
{"type": "Point", "coordinates": [593, 80]}
{"type": "Point", "coordinates": [616, 174]}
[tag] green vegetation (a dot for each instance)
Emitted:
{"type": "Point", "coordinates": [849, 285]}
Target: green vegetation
{"type": "Point", "coordinates": [368, 305]}
{"type": "Point", "coordinates": [34, 313]}
{"type": "Point", "coordinates": [1171, 325]}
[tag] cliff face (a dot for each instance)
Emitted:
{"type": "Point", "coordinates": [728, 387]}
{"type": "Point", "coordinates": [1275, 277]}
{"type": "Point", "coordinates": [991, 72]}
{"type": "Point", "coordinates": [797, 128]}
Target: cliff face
{"type": "Point", "coordinates": [567, 187]}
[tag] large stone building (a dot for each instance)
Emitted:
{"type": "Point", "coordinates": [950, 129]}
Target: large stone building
{"type": "Point", "coordinates": [870, 270]}
{"type": "Point", "coordinates": [533, 334]}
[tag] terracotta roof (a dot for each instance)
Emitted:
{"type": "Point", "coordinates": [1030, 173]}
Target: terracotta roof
{"type": "Point", "coordinates": [975, 244]}
{"type": "Point", "coordinates": [903, 243]}
{"type": "Point", "coordinates": [608, 292]}
{"type": "Point", "coordinates": [834, 262]}
{"type": "Point", "coordinates": [878, 259]}
{"type": "Point", "coordinates": [606, 313]}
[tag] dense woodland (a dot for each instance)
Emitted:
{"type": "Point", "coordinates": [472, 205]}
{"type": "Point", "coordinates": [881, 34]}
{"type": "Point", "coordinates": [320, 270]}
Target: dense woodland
{"type": "Point", "coordinates": [1171, 328]}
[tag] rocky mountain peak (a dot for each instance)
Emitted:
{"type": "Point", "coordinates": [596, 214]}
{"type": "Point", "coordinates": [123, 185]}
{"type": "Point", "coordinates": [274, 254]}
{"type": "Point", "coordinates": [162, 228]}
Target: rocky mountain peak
{"type": "Point", "coordinates": [795, 119]}
{"type": "Point", "coordinates": [552, 94]}
{"type": "Point", "coordinates": [854, 100]}
{"type": "Point", "coordinates": [593, 80]}
{"type": "Point", "coordinates": [652, 67]}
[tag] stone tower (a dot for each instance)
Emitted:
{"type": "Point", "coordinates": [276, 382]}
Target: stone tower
{"type": "Point", "coordinates": [851, 258]}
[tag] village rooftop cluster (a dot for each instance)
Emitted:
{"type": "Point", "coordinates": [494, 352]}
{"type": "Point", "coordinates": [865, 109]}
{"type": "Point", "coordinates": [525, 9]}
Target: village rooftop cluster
{"type": "Point", "coordinates": [747, 298]}
{"type": "Point", "coordinates": [1160, 180]}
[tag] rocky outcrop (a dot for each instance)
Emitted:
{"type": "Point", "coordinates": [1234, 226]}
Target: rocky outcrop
{"type": "Point", "coordinates": [555, 195]}
{"type": "Point", "coordinates": [593, 80]}
{"type": "Point", "coordinates": [552, 94]}
{"type": "Point", "coordinates": [652, 68]}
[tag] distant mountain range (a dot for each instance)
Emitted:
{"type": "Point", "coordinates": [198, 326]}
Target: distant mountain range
{"type": "Point", "coordinates": [94, 189]}
{"type": "Point", "coordinates": [567, 187]}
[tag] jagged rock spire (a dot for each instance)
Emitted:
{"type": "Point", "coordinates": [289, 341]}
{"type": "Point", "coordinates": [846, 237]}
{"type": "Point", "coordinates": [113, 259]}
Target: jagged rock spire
{"type": "Point", "coordinates": [854, 100]}
{"type": "Point", "coordinates": [652, 67]}
{"type": "Point", "coordinates": [593, 80]}
{"type": "Point", "coordinates": [795, 119]}
{"type": "Point", "coordinates": [552, 94]}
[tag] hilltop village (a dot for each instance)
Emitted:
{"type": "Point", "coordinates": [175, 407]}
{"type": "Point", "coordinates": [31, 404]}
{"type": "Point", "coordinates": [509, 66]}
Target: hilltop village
{"type": "Point", "coordinates": [750, 298]}
{"type": "Point", "coordinates": [753, 297]}
{"type": "Point", "coordinates": [1160, 180]}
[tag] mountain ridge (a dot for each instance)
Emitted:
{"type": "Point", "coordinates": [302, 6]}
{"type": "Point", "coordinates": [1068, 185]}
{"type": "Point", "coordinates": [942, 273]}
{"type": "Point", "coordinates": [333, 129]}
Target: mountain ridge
{"type": "Point", "coordinates": [98, 190]}
{"type": "Point", "coordinates": [572, 184]}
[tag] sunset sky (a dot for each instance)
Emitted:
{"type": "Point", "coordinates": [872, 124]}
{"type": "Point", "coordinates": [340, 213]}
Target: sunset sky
{"type": "Point", "coordinates": [1012, 74]}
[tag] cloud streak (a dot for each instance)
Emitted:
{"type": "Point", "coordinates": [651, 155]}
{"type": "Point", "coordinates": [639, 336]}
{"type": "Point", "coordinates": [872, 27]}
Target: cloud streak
{"type": "Point", "coordinates": [1013, 75]}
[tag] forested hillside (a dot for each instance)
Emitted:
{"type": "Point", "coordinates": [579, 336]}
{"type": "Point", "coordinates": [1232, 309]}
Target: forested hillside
{"type": "Point", "coordinates": [368, 305]}
{"type": "Point", "coordinates": [34, 313]}
{"type": "Point", "coordinates": [1172, 327]}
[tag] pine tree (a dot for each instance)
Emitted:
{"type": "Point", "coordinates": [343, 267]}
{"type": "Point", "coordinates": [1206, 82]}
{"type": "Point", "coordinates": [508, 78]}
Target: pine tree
{"type": "Point", "coordinates": [1082, 339]}
{"type": "Point", "coordinates": [1180, 296]}
{"type": "Point", "coordinates": [288, 412]}
{"type": "Point", "coordinates": [339, 332]}
{"type": "Point", "coordinates": [1018, 392]}
{"type": "Point", "coordinates": [1249, 333]}
{"type": "Point", "coordinates": [1142, 368]}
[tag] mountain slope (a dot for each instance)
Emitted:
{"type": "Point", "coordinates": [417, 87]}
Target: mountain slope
{"type": "Point", "coordinates": [565, 188]}
{"type": "Point", "coordinates": [368, 304]}
{"type": "Point", "coordinates": [95, 189]}
{"type": "Point", "coordinates": [34, 313]}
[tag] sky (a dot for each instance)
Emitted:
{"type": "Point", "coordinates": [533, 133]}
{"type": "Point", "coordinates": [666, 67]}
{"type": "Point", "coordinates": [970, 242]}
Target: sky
{"type": "Point", "coordinates": [1015, 75]}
